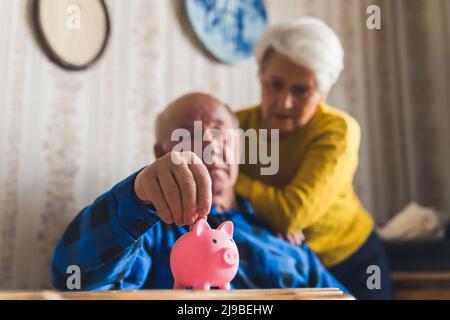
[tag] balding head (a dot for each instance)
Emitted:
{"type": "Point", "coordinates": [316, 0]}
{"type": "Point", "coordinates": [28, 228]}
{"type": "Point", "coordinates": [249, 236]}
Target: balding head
{"type": "Point", "coordinates": [188, 108]}
{"type": "Point", "coordinates": [184, 113]}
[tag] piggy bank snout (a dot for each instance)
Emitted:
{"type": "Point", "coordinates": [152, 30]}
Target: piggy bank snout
{"type": "Point", "coordinates": [230, 256]}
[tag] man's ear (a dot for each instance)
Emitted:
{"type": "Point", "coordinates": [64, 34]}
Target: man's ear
{"type": "Point", "coordinates": [159, 151]}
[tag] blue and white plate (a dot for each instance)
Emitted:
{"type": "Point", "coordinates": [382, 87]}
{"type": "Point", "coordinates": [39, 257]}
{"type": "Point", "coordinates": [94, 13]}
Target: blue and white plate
{"type": "Point", "coordinates": [228, 29]}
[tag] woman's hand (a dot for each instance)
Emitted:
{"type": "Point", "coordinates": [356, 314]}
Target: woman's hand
{"type": "Point", "coordinates": [296, 238]}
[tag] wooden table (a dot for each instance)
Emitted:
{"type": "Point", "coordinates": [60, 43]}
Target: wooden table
{"type": "Point", "coordinates": [259, 294]}
{"type": "Point", "coordinates": [421, 285]}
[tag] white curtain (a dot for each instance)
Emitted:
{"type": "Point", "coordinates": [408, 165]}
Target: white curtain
{"type": "Point", "coordinates": [66, 137]}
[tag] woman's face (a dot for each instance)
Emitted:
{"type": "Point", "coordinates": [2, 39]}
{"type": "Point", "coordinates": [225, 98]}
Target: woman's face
{"type": "Point", "coordinates": [289, 94]}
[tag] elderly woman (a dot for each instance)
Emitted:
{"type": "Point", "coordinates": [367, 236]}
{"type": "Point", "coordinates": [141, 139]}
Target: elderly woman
{"type": "Point", "coordinates": [298, 64]}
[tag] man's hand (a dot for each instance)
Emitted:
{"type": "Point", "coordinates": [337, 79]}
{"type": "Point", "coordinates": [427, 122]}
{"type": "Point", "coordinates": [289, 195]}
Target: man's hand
{"type": "Point", "coordinates": [180, 190]}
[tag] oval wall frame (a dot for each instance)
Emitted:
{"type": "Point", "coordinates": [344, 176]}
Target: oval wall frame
{"type": "Point", "coordinates": [73, 33]}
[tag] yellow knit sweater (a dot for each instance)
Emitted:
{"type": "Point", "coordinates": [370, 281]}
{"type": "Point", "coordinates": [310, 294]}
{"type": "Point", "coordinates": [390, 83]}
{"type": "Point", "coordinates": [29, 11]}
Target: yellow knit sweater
{"type": "Point", "coordinates": [313, 188]}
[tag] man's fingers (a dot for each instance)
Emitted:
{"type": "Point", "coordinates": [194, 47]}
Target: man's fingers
{"type": "Point", "coordinates": [204, 190]}
{"type": "Point", "coordinates": [186, 183]}
{"type": "Point", "coordinates": [184, 190]}
{"type": "Point", "coordinates": [158, 200]}
{"type": "Point", "coordinates": [172, 195]}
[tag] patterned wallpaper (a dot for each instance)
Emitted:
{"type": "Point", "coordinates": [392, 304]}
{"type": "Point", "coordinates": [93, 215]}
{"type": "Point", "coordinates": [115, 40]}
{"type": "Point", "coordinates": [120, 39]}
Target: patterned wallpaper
{"type": "Point", "coordinates": [66, 137]}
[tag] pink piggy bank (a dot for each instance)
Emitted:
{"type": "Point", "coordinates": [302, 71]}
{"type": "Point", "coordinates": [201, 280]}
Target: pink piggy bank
{"type": "Point", "coordinates": [205, 257]}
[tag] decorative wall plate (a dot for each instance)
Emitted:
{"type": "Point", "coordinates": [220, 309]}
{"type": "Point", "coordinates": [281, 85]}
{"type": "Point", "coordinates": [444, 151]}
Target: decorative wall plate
{"type": "Point", "coordinates": [74, 33]}
{"type": "Point", "coordinates": [228, 29]}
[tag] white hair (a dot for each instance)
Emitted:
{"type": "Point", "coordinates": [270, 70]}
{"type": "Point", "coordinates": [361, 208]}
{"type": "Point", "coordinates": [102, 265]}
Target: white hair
{"type": "Point", "coordinates": [308, 42]}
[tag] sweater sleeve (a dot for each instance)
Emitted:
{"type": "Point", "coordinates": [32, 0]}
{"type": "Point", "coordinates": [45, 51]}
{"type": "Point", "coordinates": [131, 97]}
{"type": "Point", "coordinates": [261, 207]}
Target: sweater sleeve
{"type": "Point", "coordinates": [105, 242]}
{"type": "Point", "coordinates": [330, 163]}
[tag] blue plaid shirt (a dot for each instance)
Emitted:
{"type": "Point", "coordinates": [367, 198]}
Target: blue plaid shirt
{"type": "Point", "coordinates": [120, 243]}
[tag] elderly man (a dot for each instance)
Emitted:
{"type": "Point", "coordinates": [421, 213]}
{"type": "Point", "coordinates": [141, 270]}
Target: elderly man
{"type": "Point", "coordinates": [124, 238]}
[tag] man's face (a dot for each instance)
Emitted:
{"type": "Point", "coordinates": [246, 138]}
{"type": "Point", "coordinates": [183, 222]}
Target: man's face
{"type": "Point", "coordinates": [289, 95]}
{"type": "Point", "coordinates": [219, 147]}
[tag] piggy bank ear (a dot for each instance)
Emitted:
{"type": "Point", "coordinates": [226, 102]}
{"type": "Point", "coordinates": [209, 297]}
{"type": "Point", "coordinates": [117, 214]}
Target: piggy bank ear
{"type": "Point", "coordinates": [228, 227]}
{"type": "Point", "coordinates": [201, 226]}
